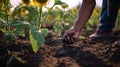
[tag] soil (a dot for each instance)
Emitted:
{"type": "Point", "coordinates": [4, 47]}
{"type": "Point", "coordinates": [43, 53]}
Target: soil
{"type": "Point", "coordinates": [55, 53]}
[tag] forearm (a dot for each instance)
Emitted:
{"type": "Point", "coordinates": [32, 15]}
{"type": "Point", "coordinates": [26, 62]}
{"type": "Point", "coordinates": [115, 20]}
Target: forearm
{"type": "Point", "coordinates": [85, 12]}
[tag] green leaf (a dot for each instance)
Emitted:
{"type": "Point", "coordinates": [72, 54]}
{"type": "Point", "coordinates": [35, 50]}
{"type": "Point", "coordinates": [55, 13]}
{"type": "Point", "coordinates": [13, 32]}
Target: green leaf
{"type": "Point", "coordinates": [7, 2]}
{"type": "Point", "coordinates": [90, 22]}
{"type": "Point", "coordinates": [44, 31]}
{"type": "Point", "coordinates": [3, 30]}
{"type": "Point", "coordinates": [32, 11]}
{"type": "Point", "coordinates": [58, 28]}
{"type": "Point", "coordinates": [19, 32]}
{"type": "Point", "coordinates": [58, 2]}
{"type": "Point", "coordinates": [9, 37]}
{"type": "Point", "coordinates": [2, 12]}
{"type": "Point", "coordinates": [20, 24]}
{"type": "Point", "coordinates": [36, 38]}
{"type": "Point", "coordinates": [2, 23]}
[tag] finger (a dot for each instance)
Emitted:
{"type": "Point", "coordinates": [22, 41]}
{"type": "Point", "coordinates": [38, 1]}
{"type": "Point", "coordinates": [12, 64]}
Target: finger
{"type": "Point", "coordinates": [68, 38]}
{"type": "Point", "coordinates": [64, 39]}
{"type": "Point", "coordinates": [68, 32]}
{"type": "Point", "coordinates": [72, 39]}
{"type": "Point", "coordinates": [65, 34]}
{"type": "Point", "coordinates": [76, 36]}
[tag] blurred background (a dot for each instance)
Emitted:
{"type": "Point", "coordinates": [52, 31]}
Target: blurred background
{"type": "Point", "coordinates": [67, 18]}
{"type": "Point", "coordinates": [60, 18]}
{"type": "Point", "coordinates": [71, 3]}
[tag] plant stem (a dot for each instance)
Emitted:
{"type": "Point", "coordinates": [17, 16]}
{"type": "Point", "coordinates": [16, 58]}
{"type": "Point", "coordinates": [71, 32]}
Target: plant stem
{"type": "Point", "coordinates": [40, 18]}
{"type": "Point", "coordinates": [34, 11]}
{"type": "Point", "coordinates": [48, 13]}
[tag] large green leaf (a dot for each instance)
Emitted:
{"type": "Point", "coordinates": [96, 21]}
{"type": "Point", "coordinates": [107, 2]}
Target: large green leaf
{"type": "Point", "coordinates": [36, 39]}
{"type": "Point", "coordinates": [20, 24]}
{"type": "Point", "coordinates": [32, 11]}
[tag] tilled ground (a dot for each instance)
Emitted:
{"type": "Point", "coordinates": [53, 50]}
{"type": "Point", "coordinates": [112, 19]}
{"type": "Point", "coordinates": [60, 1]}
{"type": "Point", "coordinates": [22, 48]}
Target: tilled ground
{"type": "Point", "coordinates": [54, 53]}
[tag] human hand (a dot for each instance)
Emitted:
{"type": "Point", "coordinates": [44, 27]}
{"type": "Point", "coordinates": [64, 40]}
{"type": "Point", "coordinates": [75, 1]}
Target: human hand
{"type": "Point", "coordinates": [70, 36]}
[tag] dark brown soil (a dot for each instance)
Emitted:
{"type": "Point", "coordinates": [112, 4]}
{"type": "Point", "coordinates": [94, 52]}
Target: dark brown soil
{"type": "Point", "coordinates": [54, 53]}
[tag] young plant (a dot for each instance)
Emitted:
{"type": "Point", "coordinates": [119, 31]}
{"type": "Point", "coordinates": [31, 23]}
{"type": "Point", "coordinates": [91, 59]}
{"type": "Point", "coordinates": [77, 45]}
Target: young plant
{"type": "Point", "coordinates": [36, 18]}
{"type": "Point", "coordinates": [28, 15]}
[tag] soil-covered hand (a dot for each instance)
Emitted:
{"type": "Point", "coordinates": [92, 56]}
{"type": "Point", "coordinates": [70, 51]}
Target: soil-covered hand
{"type": "Point", "coordinates": [70, 36]}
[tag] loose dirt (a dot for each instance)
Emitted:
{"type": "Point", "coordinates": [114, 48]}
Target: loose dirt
{"type": "Point", "coordinates": [54, 53]}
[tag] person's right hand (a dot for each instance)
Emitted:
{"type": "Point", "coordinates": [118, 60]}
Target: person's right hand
{"type": "Point", "coordinates": [70, 36]}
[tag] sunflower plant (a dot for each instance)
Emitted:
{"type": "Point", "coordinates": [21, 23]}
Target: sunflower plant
{"type": "Point", "coordinates": [28, 15]}
{"type": "Point", "coordinates": [5, 21]}
{"type": "Point", "coordinates": [34, 19]}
